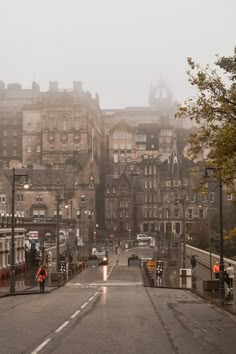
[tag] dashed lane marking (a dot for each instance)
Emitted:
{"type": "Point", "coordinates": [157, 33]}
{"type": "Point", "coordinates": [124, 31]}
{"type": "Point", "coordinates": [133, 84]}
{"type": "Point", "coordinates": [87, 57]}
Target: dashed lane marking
{"type": "Point", "coordinates": [85, 304]}
{"type": "Point", "coordinates": [62, 326]}
{"type": "Point", "coordinates": [41, 346]}
{"type": "Point", "coordinates": [75, 314]}
{"type": "Point", "coordinates": [59, 329]}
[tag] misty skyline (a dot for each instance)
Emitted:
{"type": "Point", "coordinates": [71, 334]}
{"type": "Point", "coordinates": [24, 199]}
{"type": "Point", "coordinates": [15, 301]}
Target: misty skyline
{"type": "Point", "coordinates": [116, 48]}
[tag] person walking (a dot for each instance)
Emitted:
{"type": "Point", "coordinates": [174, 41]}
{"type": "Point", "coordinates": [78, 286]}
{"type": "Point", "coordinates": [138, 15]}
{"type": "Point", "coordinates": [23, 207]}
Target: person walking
{"type": "Point", "coordinates": [216, 270]}
{"type": "Point", "coordinates": [42, 275]}
{"type": "Point", "coordinates": [230, 273]}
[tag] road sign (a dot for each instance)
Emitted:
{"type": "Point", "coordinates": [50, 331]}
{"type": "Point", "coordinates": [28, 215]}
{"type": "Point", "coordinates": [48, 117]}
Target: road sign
{"type": "Point", "coordinates": [33, 235]}
{"type": "Point", "coordinates": [151, 265]}
{"type": "Point", "coordinates": [159, 270]}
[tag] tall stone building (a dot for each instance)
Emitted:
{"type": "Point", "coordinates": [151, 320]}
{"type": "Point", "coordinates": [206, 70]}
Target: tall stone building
{"type": "Point", "coordinates": [57, 140]}
{"type": "Point", "coordinates": [142, 143]}
{"type": "Point", "coordinates": [64, 124]}
{"type": "Point", "coordinates": [12, 99]}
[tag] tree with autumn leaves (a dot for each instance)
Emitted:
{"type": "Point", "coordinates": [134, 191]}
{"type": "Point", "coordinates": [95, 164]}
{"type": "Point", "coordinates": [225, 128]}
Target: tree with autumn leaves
{"type": "Point", "coordinates": [214, 110]}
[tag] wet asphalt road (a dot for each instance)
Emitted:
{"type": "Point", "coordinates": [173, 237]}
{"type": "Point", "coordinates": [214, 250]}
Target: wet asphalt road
{"type": "Point", "coordinates": [107, 310]}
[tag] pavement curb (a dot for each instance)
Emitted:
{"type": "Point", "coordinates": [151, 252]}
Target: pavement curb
{"type": "Point", "coordinates": [228, 307]}
{"type": "Point", "coordinates": [28, 291]}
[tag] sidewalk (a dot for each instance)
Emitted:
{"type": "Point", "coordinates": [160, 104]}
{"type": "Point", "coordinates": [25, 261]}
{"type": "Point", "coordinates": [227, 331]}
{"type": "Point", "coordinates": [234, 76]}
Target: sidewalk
{"type": "Point", "coordinates": [28, 285]}
{"type": "Point", "coordinates": [194, 283]}
{"type": "Point", "coordinates": [21, 289]}
{"type": "Point", "coordinates": [203, 273]}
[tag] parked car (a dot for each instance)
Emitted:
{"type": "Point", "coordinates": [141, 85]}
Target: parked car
{"type": "Point", "coordinates": [143, 237]}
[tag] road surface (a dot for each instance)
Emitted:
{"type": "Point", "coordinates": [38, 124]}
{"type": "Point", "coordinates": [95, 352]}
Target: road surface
{"type": "Point", "coordinates": [108, 310]}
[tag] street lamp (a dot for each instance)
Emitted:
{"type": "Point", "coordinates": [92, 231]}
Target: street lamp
{"type": "Point", "coordinates": [209, 171]}
{"type": "Point", "coordinates": [13, 266]}
{"type": "Point", "coordinates": [58, 201]}
{"type": "Point", "coordinates": [70, 232]}
{"type": "Point", "coordinates": [184, 232]}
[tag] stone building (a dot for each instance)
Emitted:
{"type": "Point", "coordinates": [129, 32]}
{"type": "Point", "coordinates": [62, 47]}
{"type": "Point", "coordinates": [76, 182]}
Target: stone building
{"type": "Point", "coordinates": [12, 99]}
{"type": "Point", "coordinates": [64, 124]}
{"type": "Point", "coordinates": [141, 144]}
{"type": "Point", "coordinates": [119, 206]}
{"type": "Point", "coordinates": [54, 137]}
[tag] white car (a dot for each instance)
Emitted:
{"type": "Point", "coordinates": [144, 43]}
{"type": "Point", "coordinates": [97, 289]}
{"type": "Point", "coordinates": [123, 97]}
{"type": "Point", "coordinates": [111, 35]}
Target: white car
{"type": "Point", "coordinates": [143, 237]}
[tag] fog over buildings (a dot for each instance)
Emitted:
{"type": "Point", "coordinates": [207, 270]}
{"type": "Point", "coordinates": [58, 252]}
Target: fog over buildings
{"type": "Point", "coordinates": [116, 48]}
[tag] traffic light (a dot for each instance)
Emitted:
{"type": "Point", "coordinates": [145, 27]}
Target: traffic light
{"type": "Point", "coordinates": [49, 257]}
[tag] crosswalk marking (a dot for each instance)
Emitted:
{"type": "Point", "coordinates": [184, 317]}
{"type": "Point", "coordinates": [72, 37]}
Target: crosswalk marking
{"type": "Point", "coordinates": [94, 285]}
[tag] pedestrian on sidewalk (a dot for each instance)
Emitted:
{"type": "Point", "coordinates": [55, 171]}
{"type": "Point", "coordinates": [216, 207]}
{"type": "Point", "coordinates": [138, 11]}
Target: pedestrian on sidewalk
{"type": "Point", "coordinates": [216, 270]}
{"type": "Point", "coordinates": [230, 273]}
{"type": "Point", "coordinates": [42, 275]}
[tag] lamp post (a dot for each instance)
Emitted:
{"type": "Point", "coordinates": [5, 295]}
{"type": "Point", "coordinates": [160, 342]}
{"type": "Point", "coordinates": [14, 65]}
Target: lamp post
{"type": "Point", "coordinates": [209, 173]}
{"type": "Point", "coordinates": [70, 231]}
{"type": "Point", "coordinates": [184, 231]}
{"type": "Point", "coordinates": [58, 201]}
{"type": "Point", "coordinates": [13, 266]}
{"type": "Point", "coordinates": [184, 234]}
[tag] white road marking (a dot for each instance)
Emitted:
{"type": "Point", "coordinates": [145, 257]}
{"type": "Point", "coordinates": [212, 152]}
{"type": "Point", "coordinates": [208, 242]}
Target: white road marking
{"type": "Point", "coordinates": [75, 314]}
{"type": "Point", "coordinates": [41, 346]}
{"type": "Point", "coordinates": [120, 284]}
{"type": "Point", "coordinates": [62, 326]}
{"type": "Point", "coordinates": [73, 284]}
{"type": "Point", "coordinates": [85, 304]}
{"type": "Point", "coordinates": [37, 350]}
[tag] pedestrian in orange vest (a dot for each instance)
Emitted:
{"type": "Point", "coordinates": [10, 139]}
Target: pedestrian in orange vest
{"type": "Point", "coordinates": [216, 270]}
{"type": "Point", "coordinates": [42, 275]}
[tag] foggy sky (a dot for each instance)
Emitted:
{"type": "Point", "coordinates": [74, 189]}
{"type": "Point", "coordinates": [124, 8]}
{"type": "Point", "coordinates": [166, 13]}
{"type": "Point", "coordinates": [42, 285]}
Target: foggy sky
{"type": "Point", "coordinates": [115, 47]}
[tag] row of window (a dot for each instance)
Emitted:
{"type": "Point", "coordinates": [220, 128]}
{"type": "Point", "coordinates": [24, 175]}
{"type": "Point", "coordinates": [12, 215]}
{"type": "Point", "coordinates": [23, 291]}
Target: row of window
{"type": "Point", "coordinates": [150, 170]}
{"type": "Point", "coordinates": [29, 148]}
{"type": "Point", "coordinates": [112, 225]}
{"type": "Point", "coordinates": [20, 198]}
{"type": "Point", "coordinates": [175, 183]}
{"type": "Point", "coordinates": [67, 124]}
{"type": "Point", "coordinates": [140, 138]}
{"type": "Point", "coordinates": [64, 147]}
{"type": "Point", "coordinates": [122, 146]}
{"type": "Point", "coordinates": [154, 212]}
{"type": "Point", "coordinates": [190, 213]}
{"type": "Point", "coordinates": [122, 135]}
{"type": "Point", "coordinates": [122, 204]}
{"type": "Point", "coordinates": [8, 133]}
{"type": "Point", "coordinates": [122, 214]}
{"type": "Point", "coordinates": [151, 183]}
{"type": "Point", "coordinates": [9, 118]}
{"type": "Point", "coordinates": [14, 152]}
{"type": "Point", "coordinates": [122, 157]}
{"type": "Point", "coordinates": [123, 189]}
